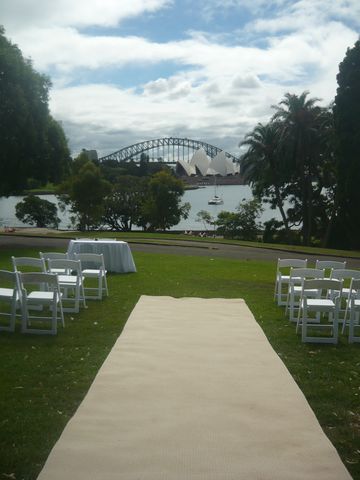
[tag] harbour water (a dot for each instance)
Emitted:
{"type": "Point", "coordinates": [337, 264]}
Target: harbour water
{"type": "Point", "coordinates": [232, 196]}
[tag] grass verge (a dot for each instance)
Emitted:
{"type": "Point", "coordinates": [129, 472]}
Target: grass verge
{"type": "Point", "coordinates": [44, 379]}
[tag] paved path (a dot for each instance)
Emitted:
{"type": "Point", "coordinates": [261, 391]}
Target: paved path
{"type": "Point", "coordinates": [177, 247]}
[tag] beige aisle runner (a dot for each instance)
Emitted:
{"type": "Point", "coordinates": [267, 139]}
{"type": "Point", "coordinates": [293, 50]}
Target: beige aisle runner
{"type": "Point", "coordinates": [192, 390]}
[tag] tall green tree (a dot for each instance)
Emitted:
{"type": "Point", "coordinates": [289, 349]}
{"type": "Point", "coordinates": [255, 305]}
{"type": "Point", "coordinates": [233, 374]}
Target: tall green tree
{"type": "Point", "coordinates": [262, 166]}
{"type": "Point", "coordinates": [33, 144]}
{"type": "Point", "coordinates": [300, 139]}
{"type": "Point", "coordinates": [242, 224]}
{"type": "Point", "coordinates": [37, 211]}
{"type": "Point", "coordinates": [162, 208]}
{"type": "Point", "coordinates": [347, 127]}
{"type": "Point", "coordinates": [83, 193]}
{"type": "Point", "coordinates": [122, 207]}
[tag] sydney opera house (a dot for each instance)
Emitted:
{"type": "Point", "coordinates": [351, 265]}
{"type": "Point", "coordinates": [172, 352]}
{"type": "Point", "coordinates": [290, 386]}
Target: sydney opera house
{"type": "Point", "coordinates": [201, 164]}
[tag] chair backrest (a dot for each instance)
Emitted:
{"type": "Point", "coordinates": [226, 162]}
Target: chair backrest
{"type": "Point", "coordinates": [345, 274]}
{"type": "Point", "coordinates": [28, 262]}
{"type": "Point", "coordinates": [91, 259]}
{"type": "Point", "coordinates": [355, 288]}
{"type": "Point", "coordinates": [330, 264]}
{"type": "Point", "coordinates": [8, 277]}
{"type": "Point", "coordinates": [303, 273]}
{"type": "Point", "coordinates": [323, 285]}
{"type": "Point", "coordinates": [54, 255]}
{"type": "Point", "coordinates": [38, 278]}
{"type": "Point", "coordinates": [9, 280]}
{"type": "Point", "coordinates": [291, 262]}
{"type": "Point", "coordinates": [69, 265]}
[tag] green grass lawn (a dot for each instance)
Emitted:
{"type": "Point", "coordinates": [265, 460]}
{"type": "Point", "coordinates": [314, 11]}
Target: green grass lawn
{"type": "Point", "coordinates": [43, 379]}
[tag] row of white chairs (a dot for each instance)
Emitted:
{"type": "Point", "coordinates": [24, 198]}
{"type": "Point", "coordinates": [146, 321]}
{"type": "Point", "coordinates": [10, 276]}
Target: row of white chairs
{"type": "Point", "coordinates": [328, 290]}
{"type": "Point", "coordinates": [58, 283]}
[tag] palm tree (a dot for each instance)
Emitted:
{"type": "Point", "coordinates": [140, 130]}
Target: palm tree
{"type": "Point", "coordinates": [261, 165]}
{"type": "Point", "coordinates": [300, 122]}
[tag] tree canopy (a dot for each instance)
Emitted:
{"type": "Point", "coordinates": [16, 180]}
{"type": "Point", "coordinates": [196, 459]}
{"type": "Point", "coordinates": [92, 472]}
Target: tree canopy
{"type": "Point", "coordinates": [347, 127]}
{"type": "Point", "coordinates": [292, 159]}
{"type": "Point", "coordinates": [37, 211]}
{"type": "Point", "coordinates": [33, 144]}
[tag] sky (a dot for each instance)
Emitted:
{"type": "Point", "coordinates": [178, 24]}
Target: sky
{"type": "Point", "coordinates": [125, 71]}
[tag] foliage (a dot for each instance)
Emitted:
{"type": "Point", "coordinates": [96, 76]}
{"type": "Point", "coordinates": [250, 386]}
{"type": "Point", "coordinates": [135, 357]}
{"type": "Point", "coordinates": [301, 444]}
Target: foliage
{"type": "Point", "coordinates": [301, 123]}
{"type": "Point", "coordinates": [162, 208]}
{"type": "Point", "coordinates": [33, 144]}
{"type": "Point", "coordinates": [122, 206]}
{"type": "Point", "coordinates": [84, 192]}
{"type": "Point", "coordinates": [292, 158]}
{"type": "Point", "coordinates": [112, 170]}
{"type": "Point", "coordinates": [37, 211]}
{"type": "Point", "coordinates": [347, 128]}
{"type": "Point", "coordinates": [241, 224]}
{"type": "Point", "coordinates": [264, 168]}
{"type": "Point", "coordinates": [206, 218]}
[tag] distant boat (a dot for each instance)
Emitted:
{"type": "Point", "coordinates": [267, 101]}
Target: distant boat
{"type": "Point", "coordinates": [215, 200]}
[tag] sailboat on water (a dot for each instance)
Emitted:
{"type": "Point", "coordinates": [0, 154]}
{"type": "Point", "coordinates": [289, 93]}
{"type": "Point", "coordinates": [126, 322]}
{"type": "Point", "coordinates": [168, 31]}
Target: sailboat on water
{"type": "Point", "coordinates": [216, 199]}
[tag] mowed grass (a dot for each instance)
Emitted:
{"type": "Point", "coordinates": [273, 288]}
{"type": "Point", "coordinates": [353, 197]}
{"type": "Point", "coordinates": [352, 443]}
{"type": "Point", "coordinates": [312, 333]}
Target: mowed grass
{"type": "Point", "coordinates": [44, 379]}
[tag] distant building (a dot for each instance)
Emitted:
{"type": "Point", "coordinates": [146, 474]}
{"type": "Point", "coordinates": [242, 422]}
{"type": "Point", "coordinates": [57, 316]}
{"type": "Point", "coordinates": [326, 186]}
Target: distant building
{"type": "Point", "coordinates": [91, 154]}
{"type": "Point", "coordinates": [200, 164]}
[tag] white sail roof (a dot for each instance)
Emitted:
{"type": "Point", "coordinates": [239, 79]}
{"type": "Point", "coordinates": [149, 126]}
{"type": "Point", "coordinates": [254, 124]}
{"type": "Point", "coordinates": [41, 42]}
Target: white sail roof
{"type": "Point", "coordinates": [221, 164]}
{"type": "Point", "coordinates": [200, 161]}
{"type": "Point", "coordinates": [189, 169]}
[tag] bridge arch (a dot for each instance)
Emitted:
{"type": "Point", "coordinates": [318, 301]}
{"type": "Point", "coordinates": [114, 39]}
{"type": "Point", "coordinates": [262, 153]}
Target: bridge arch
{"type": "Point", "coordinates": [133, 152]}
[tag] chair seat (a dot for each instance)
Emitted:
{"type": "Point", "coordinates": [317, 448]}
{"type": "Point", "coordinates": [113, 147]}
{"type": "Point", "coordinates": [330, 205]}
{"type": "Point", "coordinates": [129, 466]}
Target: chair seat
{"type": "Point", "coordinates": [91, 272]}
{"type": "Point", "coordinates": [6, 293]}
{"type": "Point", "coordinates": [67, 279]}
{"type": "Point", "coordinates": [298, 289]}
{"type": "Point", "coordinates": [59, 271]}
{"type": "Point", "coordinates": [40, 296]}
{"type": "Point", "coordinates": [320, 304]}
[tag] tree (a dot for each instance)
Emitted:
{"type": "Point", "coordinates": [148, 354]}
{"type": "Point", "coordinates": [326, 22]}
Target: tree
{"type": "Point", "coordinates": [263, 167]}
{"type": "Point", "coordinates": [84, 192]}
{"type": "Point", "coordinates": [32, 142]}
{"type": "Point", "coordinates": [206, 218]}
{"type": "Point", "coordinates": [162, 208]}
{"type": "Point", "coordinates": [300, 143]}
{"type": "Point", "coordinates": [347, 128]}
{"type": "Point", "coordinates": [122, 206]}
{"type": "Point", "coordinates": [37, 211]}
{"type": "Point", "coordinates": [241, 224]}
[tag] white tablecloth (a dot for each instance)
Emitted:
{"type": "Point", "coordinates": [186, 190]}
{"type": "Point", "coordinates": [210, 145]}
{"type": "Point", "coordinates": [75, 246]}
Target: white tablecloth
{"type": "Point", "coordinates": [117, 254]}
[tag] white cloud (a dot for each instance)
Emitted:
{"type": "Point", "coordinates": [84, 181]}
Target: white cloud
{"type": "Point", "coordinates": [214, 91]}
{"type": "Point", "coordinates": [19, 14]}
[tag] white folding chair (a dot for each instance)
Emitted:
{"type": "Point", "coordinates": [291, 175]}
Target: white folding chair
{"type": "Point", "coordinates": [33, 264]}
{"type": "Point", "coordinates": [296, 279]}
{"type": "Point", "coordinates": [346, 275]}
{"type": "Point", "coordinates": [329, 265]}
{"type": "Point", "coordinates": [283, 277]}
{"type": "Point", "coordinates": [33, 297]}
{"type": "Point", "coordinates": [353, 309]}
{"type": "Point", "coordinates": [94, 268]}
{"type": "Point", "coordinates": [9, 296]}
{"type": "Point", "coordinates": [71, 282]}
{"type": "Point", "coordinates": [323, 304]}
{"type": "Point", "coordinates": [54, 256]}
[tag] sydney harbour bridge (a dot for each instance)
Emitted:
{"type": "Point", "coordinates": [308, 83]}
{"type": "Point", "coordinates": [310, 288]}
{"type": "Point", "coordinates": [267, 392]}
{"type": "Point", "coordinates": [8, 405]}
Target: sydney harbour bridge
{"type": "Point", "coordinates": [168, 150]}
